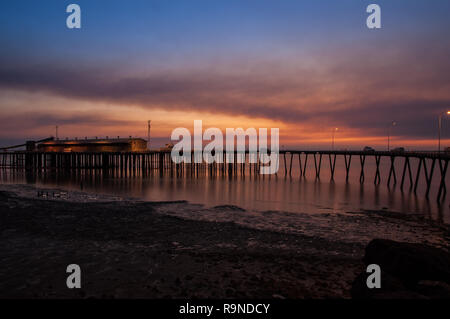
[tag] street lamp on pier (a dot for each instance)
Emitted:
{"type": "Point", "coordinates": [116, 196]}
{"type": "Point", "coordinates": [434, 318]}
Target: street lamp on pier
{"type": "Point", "coordinates": [440, 127]}
{"type": "Point", "coordinates": [332, 137]}
{"type": "Point", "coordinates": [392, 124]}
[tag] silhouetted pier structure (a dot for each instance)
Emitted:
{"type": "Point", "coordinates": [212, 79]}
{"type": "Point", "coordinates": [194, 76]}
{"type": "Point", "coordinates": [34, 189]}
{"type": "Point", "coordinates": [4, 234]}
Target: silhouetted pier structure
{"type": "Point", "coordinates": [131, 162]}
{"type": "Point", "coordinates": [423, 158]}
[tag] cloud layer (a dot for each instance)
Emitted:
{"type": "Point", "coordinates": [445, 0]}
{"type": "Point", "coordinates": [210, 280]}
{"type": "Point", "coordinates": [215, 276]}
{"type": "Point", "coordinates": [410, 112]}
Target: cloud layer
{"type": "Point", "coordinates": [363, 89]}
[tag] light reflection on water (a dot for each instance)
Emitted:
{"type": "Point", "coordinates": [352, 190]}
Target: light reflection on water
{"type": "Point", "coordinates": [276, 192]}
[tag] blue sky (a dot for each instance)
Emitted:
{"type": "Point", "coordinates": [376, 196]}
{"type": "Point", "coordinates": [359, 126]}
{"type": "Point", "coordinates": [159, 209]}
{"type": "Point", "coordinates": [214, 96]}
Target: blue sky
{"type": "Point", "coordinates": [143, 29]}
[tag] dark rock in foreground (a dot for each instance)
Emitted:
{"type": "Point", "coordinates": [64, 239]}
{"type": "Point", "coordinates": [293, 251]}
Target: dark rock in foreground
{"type": "Point", "coordinates": [408, 271]}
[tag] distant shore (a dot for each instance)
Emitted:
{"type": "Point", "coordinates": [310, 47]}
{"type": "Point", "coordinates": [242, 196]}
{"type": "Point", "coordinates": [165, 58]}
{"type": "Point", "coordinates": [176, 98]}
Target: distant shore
{"type": "Point", "coordinates": [134, 249]}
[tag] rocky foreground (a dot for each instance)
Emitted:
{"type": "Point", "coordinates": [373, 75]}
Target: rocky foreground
{"type": "Point", "coordinates": [128, 249]}
{"type": "Point", "coordinates": [408, 271]}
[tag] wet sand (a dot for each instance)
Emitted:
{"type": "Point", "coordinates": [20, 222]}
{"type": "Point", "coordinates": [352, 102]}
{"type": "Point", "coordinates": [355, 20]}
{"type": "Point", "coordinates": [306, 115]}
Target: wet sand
{"type": "Point", "coordinates": [133, 249]}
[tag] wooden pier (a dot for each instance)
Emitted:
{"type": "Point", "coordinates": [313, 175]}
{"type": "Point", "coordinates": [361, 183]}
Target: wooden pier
{"type": "Point", "coordinates": [143, 162]}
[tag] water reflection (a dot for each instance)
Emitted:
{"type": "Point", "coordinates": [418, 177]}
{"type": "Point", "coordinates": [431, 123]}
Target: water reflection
{"type": "Point", "coordinates": [276, 192]}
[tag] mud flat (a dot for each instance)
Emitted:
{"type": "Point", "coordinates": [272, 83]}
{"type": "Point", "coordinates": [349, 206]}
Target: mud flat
{"type": "Point", "coordinates": [133, 249]}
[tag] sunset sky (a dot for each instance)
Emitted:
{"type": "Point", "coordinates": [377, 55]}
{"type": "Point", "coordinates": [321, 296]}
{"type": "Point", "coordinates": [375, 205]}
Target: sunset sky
{"type": "Point", "coordinates": [303, 66]}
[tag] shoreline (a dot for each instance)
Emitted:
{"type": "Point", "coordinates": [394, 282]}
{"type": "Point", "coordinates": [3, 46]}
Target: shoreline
{"type": "Point", "coordinates": [136, 249]}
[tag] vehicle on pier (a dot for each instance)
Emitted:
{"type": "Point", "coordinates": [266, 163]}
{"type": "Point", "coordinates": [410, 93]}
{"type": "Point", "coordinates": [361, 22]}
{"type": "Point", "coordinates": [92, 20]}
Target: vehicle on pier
{"type": "Point", "coordinates": [368, 149]}
{"type": "Point", "coordinates": [398, 150]}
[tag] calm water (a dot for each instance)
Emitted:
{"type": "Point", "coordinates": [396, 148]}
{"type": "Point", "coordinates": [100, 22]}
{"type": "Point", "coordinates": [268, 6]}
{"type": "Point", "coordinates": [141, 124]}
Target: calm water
{"type": "Point", "coordinates": [276, 192]}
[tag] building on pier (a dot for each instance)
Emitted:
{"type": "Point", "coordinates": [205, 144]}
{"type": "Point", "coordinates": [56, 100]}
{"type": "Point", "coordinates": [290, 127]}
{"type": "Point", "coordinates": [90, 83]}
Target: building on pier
{"type": "Point", "coordinates": [94, 145]}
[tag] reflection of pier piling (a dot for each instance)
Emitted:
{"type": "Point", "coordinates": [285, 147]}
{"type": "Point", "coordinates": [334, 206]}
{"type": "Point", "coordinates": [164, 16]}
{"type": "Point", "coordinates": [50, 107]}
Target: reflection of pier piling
{"type": "Point", "coordinates": [129, 163]}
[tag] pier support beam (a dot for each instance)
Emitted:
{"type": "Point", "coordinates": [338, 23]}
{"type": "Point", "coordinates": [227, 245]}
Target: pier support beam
{"type": "Point", "coordinates": [318, 165]}
{"type": "Point", "coordinates": [442, 187]}
{"type": "Point", "coordinates": [377, 179]}
{"type": "Point", "coordinates": [419, 166]}
{"type": "Point", "coordinates": [332, 165]}
{"type": "Point", "coordinates": [406, 165]}
{"type": "Point", "coordinates": [392, 172]}
{"type": "Point", "coordinates": [362, 159]}
{"type": "Point", "coordinates": [304, 164]}
{"type": "Point", "coordinates": [428, 177]}
{"type": "Point", "coordinates": [300, 163]}
{"type": "Point", "coordinates": [290, 164]}
{"type": "Point", "coordinates": [347, 166]}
